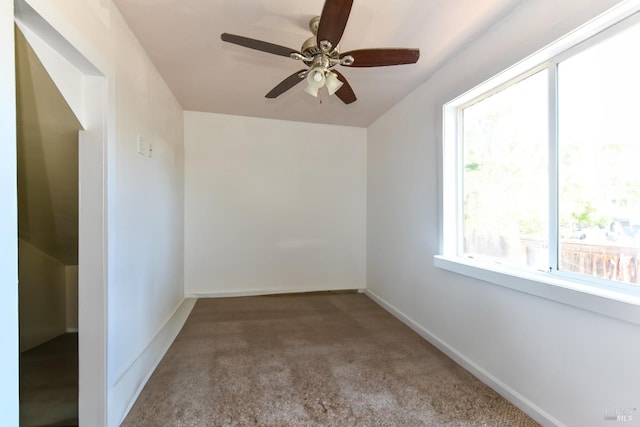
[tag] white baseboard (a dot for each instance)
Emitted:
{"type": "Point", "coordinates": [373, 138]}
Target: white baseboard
{"type": "Point", "coordinates": [530, 408]}
{"type": "Point", "coordinates": [129, 384]}
{"type": "Point", "coordinates": [252, 293]}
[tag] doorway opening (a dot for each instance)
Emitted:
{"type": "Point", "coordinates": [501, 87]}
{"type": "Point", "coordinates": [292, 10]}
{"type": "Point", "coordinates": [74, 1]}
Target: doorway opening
{"type": "Point", "coordinates": [84, 86]}
{"type": "Point", "coordinates": [47, 152]}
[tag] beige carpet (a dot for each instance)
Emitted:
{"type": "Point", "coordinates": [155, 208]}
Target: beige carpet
{"type": "Point", "coordinates": [310, 360]}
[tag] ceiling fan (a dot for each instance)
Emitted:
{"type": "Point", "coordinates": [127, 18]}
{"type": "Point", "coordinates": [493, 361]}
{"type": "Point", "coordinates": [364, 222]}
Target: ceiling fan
{"type": "Point", "coordinates": [321, 53]}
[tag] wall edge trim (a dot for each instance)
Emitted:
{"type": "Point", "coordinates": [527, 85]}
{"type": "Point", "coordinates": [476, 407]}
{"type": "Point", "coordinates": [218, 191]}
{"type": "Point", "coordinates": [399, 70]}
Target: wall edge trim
{"type": "Point", "coordinates": [135, 377]}
{"type": "Point", "coordinates": [260, 292]}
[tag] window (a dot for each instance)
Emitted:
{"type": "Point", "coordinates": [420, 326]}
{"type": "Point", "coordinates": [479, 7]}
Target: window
{"type": "Point", "coordinates": [504, 175]}
{"type": "Point", "coordinates": [542, 164]}
{"type": "Point", "coordinates": [599, 159]}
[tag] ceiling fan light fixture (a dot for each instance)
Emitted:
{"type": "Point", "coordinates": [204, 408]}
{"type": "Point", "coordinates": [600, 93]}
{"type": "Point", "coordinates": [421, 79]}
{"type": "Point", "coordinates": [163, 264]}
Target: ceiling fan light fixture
{"type": "Point", "coordinates": [313, 91]}
{"type": "Point", "coordinates": [321, 53]}
{"type": "Point", "coordinates": [316, 77]}
{"type": "Point", "coordinates": [333, 83]}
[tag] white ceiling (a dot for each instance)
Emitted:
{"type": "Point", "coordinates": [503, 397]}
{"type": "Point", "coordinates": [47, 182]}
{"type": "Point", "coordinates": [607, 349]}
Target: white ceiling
{"type": "Point", "coordinates": [182, 37]}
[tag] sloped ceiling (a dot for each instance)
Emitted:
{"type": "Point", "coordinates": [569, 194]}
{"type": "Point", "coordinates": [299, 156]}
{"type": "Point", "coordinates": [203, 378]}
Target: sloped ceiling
{"type": "Point", "coordinates": [182, 37]}
{"type": "Point", "coordinates": [47, 160]}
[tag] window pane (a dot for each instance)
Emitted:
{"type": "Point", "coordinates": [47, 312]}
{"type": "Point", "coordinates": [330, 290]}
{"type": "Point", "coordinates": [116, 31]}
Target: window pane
{"type": "Point", "coordinates": [505, 176]}
{"type": "Point", "coordinates": [599, 159]}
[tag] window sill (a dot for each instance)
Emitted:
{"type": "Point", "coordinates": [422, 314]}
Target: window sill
{"type": "Point", "coordinates": [609, 302]}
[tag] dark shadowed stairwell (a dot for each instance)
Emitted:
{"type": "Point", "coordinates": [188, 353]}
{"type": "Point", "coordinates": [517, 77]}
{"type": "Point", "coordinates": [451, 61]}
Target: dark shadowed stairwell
{"type": "Point", "coordinates": [49, 383]}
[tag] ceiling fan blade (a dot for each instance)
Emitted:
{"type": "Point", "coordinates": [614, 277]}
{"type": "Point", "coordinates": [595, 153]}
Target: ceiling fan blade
{"type": "Point", "coordinates": [382, 57]}
{"type": "Point", "coordinates": [286, 84]}
{"type": "Point", "coordinates": [333, 21]}
{"type": "Point", "coordinates": [258, 45]}
{"type": "Point", "coordinates": [345, 93]}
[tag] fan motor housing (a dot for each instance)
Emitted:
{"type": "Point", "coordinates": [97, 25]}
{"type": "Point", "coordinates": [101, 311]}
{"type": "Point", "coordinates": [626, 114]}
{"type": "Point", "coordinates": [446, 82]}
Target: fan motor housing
{"type": "Point", "coordinates": [310, 47]}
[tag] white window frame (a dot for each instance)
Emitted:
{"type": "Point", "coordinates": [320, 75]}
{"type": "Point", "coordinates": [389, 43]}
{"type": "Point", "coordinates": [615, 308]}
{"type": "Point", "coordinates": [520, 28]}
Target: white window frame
{"type": "Point", "coordinates": [617, 300]}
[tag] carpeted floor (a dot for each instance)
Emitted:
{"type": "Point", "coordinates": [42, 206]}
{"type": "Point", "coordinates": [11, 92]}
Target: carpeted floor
{"type": "Point", "coordinates": [310, 360]}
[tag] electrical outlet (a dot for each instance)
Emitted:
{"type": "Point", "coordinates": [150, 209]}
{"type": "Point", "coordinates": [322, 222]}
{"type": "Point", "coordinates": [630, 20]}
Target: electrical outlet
{"type": "Point", "coordinates": [141, 146]}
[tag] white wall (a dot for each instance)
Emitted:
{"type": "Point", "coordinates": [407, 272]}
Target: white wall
{"type": "Point", "coordinates": [144, 260]}
{"type": "Point", "coordinates": [9, 414]}
{"type": "Point", "coordinates": [273, 206]}
{"type": "Point", "coordinates": [562, 364]}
